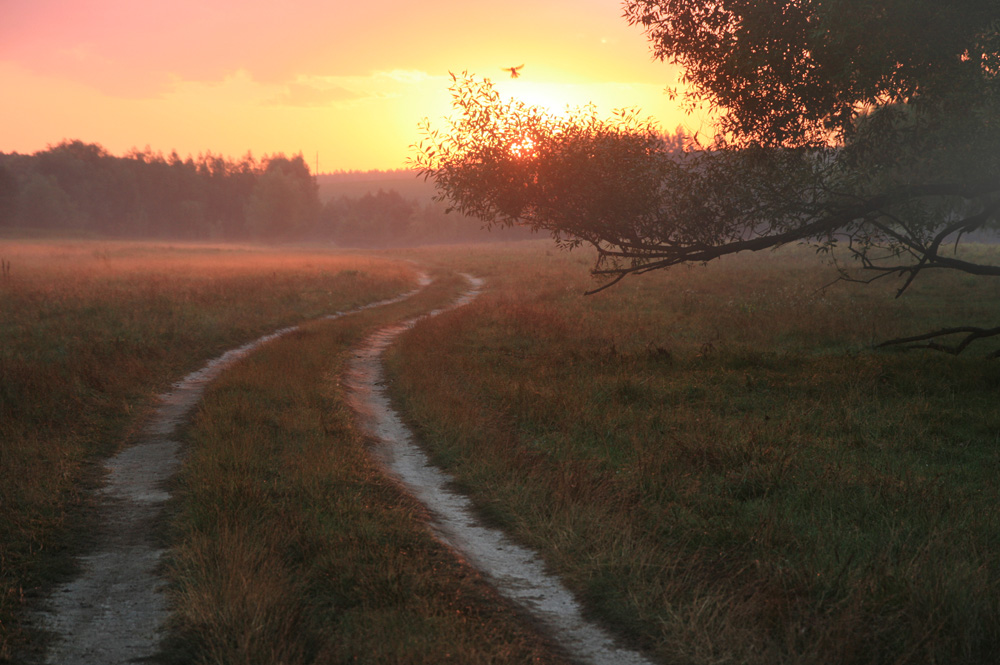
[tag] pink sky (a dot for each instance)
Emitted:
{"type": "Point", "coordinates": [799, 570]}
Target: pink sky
{"type": "Point", "coordinates": [347, 81]}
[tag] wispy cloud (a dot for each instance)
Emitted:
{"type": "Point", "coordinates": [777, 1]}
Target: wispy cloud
{"type": "Point", "coordinates": [318, 91]}
{"type": "Point", "coordinates": [307, 95]}
{"type": "Point", "coordinates": [410, 76]}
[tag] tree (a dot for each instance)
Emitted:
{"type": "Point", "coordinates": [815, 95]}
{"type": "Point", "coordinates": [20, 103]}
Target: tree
{"type": "Point", "coordinates": [44, 204]}
{"type": "Point", "coordinates": [285, 200]}
{"type": "Point", "coordinates": [373, 220]}
{"type": "Point", "coordinates": [867, 127]}
{"type": "Point", "coordinates": [9, 193]}
{"type": "Point", "coordinates": [77, 185]}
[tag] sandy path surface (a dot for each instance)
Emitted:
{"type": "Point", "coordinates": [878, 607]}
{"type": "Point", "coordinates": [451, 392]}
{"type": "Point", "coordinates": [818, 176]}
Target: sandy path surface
{"type": "Point", "coordinates": [115, 610]}
{"type": "Point", "coordinates": [516, 572]}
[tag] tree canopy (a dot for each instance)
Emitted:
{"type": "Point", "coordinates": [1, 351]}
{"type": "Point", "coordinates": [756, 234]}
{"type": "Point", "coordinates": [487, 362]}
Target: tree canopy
{"type": "Point", "coordinates": [870, 128]}
{"type": "Point", "coordinates": [794, 72]}
{"type": "Point", "coordinates": [77, 186]}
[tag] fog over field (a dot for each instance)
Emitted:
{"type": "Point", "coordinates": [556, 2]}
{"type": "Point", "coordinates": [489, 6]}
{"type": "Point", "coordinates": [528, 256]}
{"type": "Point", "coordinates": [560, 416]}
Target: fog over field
{"type": "Point", "coordinates": [591, 331]}
{"type": "Point", "coordinates": [81, 189]}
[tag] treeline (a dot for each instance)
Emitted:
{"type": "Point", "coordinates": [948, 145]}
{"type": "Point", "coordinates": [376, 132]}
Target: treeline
{"type": "Point", "coordinates": [387, 218]}
{"type": "Point", "coordinates": [80, 188]}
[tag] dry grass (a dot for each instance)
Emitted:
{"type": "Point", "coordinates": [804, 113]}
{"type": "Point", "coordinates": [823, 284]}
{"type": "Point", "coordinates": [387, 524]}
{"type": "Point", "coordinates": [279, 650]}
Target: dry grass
{"type": "Point", "coordinates": [717, 460]}
{"type": "Point", "coordinates": [91, 332]}
{"type": "Point", "coordinates": [291, 546]}
{"type": "Point", "coordinates": [714, 458]}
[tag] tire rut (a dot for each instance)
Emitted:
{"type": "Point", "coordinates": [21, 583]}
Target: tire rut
{"type": "Point", "coordinates": [516, 572]}
{"type": "Point", "coordinates": [114, 611]}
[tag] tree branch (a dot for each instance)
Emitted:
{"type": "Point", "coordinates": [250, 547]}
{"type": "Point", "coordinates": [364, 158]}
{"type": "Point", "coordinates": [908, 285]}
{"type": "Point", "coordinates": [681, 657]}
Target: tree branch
{"type": "Point", "coordinates": [971, 335]}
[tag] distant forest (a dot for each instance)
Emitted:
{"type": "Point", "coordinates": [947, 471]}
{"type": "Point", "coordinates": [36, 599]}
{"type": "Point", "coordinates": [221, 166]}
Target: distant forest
{"type": "Point", "coordinates": [80, 189]}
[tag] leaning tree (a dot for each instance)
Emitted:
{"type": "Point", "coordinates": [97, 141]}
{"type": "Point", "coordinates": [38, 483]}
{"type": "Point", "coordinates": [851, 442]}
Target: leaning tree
{"type": "Point", "coordinates": [866, 127]}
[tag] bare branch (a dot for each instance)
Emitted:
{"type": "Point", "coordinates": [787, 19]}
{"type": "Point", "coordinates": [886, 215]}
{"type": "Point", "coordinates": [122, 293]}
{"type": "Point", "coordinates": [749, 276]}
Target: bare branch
{"type": "Point", "coordinates": [972, 334]}
{"type": "Point", "coordinates": [889, 196]}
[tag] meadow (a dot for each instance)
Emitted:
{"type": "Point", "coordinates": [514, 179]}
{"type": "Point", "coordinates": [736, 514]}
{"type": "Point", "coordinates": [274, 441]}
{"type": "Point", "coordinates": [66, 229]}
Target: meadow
{"type": "Point", "coordinates": [714, 458]}
{"type": "Point", "coordinates": [91, 332]}
{"type": "Point", "coordinates": [717, 460]}
{"type": "Point", "coordinates": [290, 544]}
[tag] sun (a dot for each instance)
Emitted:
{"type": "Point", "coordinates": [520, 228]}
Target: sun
{"type": "Point", "coordinates": [554, 99]}
{"type": "Point", "coordinates": [523, 147]}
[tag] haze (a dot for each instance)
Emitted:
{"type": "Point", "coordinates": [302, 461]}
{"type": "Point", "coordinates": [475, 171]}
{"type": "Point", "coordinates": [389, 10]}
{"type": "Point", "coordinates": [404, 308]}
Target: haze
{"type": "Point", "coordinates": [343, 84]}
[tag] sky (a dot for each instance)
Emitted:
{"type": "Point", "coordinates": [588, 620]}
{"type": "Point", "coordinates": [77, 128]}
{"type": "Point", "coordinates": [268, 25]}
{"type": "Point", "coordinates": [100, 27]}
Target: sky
{"type": "Point", "coordinates": [343, 84]}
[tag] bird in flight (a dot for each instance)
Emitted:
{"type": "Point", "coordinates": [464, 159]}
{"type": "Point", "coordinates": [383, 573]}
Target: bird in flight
{"type": "Point", "coordinates": [514, 71]}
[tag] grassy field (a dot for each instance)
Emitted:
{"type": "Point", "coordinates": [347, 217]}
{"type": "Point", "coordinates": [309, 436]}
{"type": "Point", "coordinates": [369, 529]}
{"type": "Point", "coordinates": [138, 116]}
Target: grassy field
{"type": "Point", "coordinates": [91, 332]}
{"type": "Point", "coordinates": [290, 546]}
{"type": "Point", "coordinates": [714, 458]}
{"type": "Point", "coordinates": [717, 460]}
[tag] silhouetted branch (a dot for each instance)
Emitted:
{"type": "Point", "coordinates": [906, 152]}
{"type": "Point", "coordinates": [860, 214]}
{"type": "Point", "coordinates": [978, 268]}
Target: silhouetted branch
{"type": "Point", "coordinates": [889, 196]}
{"type": "Point", "coordinates": [971, 333]}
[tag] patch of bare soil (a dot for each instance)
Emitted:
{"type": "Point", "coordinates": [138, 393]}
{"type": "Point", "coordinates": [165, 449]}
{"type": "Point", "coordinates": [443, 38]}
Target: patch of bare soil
{"type": "Point", "coordinates": [516, 572]}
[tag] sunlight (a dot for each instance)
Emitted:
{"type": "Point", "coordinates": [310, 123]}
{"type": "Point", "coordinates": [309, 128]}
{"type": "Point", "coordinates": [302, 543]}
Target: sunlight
{"type": "Point", "coordinates": [554, 99]}
{"type": "Point", "coordinates": [524, 147]}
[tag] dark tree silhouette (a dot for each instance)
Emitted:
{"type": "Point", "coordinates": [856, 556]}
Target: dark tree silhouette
{"type": "Point", "coordinates": [285, 201]}
{"type": "Point", "coordinates": [9, 194]}
{"type": "Point", "coordinates": [81, 187]}
{"type": "Point", "coordinates": [867, 128]}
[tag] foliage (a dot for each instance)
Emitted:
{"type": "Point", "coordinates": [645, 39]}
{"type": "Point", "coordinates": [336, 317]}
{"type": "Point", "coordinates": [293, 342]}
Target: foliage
{"type": "Point", "coordinates": [386, 218]}
{"type": "Point", "coordinates": [81, 187]}
{"type": "Point", "coordinates": [285, 200]}
{"type": "Point", "coordinates": [885, 151]}
{"type": "Point", "coordinates": [9, 195]}
{"type": "Point", "coordinates": [372, 219]}
{"type": "Point", "coordinates": [794, 72]}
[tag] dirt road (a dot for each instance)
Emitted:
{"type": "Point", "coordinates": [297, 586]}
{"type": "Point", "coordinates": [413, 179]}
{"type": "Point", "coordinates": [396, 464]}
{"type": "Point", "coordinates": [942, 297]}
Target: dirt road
{"type": "Point", "coordinates": [515, 571]}
{"type": "Point", "coordinates": [114, 611]}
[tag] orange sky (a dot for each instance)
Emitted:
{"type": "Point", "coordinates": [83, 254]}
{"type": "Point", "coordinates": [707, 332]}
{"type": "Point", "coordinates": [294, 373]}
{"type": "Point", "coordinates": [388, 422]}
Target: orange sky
{"type": "Point", "coordinates": [349, 81]}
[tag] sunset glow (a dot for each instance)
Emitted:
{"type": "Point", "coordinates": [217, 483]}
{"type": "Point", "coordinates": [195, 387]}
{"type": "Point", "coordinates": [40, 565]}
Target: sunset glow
{"type": "Point", "coordinates": [343, 85]}
{"type": "Point", "coordinates": [523, 148]}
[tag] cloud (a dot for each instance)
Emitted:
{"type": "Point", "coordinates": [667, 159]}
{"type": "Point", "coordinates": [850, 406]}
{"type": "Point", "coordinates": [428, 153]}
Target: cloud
{"type": "Point", "coordinates": [317, 91]}
{"type": "Point", "coordinates": [307, 95]}
{"type": "Point", "coordinates": [406, 76]}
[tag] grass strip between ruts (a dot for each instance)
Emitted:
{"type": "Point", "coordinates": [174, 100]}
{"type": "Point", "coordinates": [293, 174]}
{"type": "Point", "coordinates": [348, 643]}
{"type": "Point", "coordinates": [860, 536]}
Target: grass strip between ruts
{"type": "Point", "coordinates": [291, 546]}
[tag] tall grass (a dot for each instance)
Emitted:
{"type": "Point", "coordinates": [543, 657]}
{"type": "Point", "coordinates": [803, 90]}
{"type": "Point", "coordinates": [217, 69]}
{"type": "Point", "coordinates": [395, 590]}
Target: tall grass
{"type": "Point", "coordinates": [290, 544]}
{"type": "Point", "coordinates": [714, 458]}
{"type": "Point", "coordinates": [90, 332]}
{"type": "Point", "coordinates": [717, 461]}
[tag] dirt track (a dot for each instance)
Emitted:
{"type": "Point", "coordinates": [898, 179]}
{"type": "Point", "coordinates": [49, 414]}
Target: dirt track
{"type": "Point", "coordinates": [114, 612]}
{"type": "Point", "coordinates": [516, 572]}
